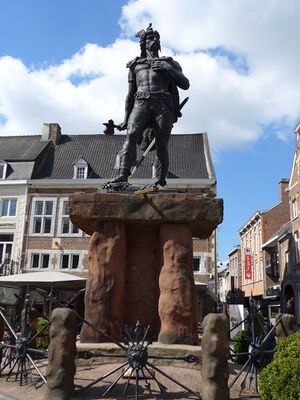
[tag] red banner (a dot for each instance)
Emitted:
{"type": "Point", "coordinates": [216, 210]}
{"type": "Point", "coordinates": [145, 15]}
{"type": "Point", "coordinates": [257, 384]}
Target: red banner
{"type": "Point", "coordinates": [248, 266]}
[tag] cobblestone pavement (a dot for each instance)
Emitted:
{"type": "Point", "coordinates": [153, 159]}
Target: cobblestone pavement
{"type": "Point", "coordinates": [189, 377]}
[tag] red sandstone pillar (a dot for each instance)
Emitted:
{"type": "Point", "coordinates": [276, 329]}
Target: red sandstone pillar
{"type": "Point", "coordinates": [178, 305]}
{"type": "Point", "coordinates": [142, 276]}
{"type": "Point", "coordinates": [105, 287]}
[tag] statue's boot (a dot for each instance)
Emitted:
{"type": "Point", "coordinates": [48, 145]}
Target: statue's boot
{"type": "Point", "coordinates": [160, 182]}
{"type": "Point", "coordinates": [122, 177]}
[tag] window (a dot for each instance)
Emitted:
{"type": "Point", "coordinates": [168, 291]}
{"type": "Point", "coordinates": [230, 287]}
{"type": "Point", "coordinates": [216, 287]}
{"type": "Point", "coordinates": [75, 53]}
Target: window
{"type": "Point", "coordinates": [196, 264]}
{"type": "Point", "coordinates": [3, 168]}
{"type": "Point", "coordinates": [70, 261]}
{"type": "Point", "coordinates": [43, 213]}
{"type": "Point", "coordinates": [118, 161]}
{"type": "Point", "coordinates": [6, 242]}
{"type": "Point", "coordinates": [297, 247]}
{"type": "Point", "coordinates": [8, 207]}
{"type": "Point", "coordinates": [66, 226]}
{"type": "Point", "coordinates": [287, 262]}
{"type": "Point", "coordinates": [40, 260]}
{"type": "Point", "coordinates": [80, 169]}
{"type": "Point", "coordinates": [294, 209]}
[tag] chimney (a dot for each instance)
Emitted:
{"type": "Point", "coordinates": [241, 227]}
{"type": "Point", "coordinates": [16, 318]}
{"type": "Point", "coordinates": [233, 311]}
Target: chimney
{"type": "Point", "coordinates": [51, 132]}
{"type": "Point", "coordinates": [283, 185]}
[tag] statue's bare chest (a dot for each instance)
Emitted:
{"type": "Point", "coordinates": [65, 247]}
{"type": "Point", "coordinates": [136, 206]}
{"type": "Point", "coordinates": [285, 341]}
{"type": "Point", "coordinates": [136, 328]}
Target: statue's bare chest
{"type": "Point", "coordinates": [145, 75]}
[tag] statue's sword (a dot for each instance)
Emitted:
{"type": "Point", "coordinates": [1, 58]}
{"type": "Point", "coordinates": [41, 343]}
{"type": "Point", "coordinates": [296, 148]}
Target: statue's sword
{"type": "Point", "coordinates": [143, 156]}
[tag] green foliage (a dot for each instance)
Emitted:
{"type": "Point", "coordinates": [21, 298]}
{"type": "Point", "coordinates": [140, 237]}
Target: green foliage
{"type": "Point", "coordinates": [240, 345]}
{"type": "Point", "coordinates": [280, 379]}
{"type": "Point", "coordinates": [42, 341]}
{"type": "Point", "coordinates": [288, 347]}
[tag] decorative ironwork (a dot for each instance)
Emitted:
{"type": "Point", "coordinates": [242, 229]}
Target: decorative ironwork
{"type": "Point", "coordinates": [18, 360]}
{"type": "Point", "coordinates": [137, 366]}
{"type": "Point", "coordinates": [261, 348]}
{"type": "Point", "coordinates": [19, 357]}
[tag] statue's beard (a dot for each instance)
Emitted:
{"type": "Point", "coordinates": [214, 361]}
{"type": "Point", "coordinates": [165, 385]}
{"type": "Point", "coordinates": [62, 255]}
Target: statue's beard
{"type": "Point", "coordinates": [155, 46]}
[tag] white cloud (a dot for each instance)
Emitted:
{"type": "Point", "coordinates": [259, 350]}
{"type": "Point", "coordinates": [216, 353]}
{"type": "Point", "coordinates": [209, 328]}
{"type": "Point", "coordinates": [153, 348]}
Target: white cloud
{"type": "Point", "coordinates": [241, 58]}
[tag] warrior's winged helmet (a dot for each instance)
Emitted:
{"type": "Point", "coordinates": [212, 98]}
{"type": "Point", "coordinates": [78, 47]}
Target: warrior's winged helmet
{"type": "Point", "coordinates": [142, 35]}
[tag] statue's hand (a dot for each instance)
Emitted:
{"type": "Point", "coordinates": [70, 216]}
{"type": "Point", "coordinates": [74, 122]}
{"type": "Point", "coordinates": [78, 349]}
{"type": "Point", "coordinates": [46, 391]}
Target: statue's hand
{"type": "Point", "coordinates": [122, 126]}
{"type": "Point", "coordinates": [161, 65]}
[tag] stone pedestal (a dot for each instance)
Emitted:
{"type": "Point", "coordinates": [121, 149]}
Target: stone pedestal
{"type": "Point", "coordinates": [141, 260]}
{"type": "Point", "coordinates": [178, 303]}
{"type": "Point", "coordinates": [105, 289]}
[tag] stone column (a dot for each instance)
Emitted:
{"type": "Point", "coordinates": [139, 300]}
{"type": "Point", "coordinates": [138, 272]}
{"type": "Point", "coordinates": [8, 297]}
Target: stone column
{"type": "Point", "coordinates": [142, 276]}
{"type": "Point", "coordinates": [61, 354]}
{"type": "Point", "coordinates": [286, 326]}
{"type": "Point", "coordinates": [105, 287]}
{"type": "Point", "coordinates": [178, 303]}
{"type": "Point", "coordinates": [215, 353]}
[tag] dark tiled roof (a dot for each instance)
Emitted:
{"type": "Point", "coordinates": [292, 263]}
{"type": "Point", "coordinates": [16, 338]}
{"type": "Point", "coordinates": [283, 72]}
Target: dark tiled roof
{"type": "Point", "coordinates": [21, 148]}
{"type": "Point", "coordinates": [19, 170]}
{"type": "Point", "coordinates": [187, 158]}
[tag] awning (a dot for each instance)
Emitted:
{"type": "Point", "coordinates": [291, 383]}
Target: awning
{"type": "Point", "coordinates": [44, 279]}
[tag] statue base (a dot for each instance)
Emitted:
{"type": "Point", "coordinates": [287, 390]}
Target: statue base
{"type": "Point", "coordinates": [141, 261]}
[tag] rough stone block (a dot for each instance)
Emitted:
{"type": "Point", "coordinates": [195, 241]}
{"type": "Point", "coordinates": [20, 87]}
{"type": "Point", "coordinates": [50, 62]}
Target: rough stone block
{"type": "Point", "coordinates": [105, 287]}
{"type": "Point", "coordinates": [178, 302]}
{"type": "Point", "coordinates": [201, 213]}
{"type": "Point", "coordinates": [61, 354]}
{"type": "Point", "coordinates": [215, 353]}
{"type": "Point", "coordinates": [286, 326]}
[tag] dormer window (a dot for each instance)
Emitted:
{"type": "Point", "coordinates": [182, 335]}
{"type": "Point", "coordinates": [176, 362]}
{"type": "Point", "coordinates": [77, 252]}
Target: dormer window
{"type": "Point", "coordinates": [3, 169]}
{"type": "Point", "coordinates": [80, 169]}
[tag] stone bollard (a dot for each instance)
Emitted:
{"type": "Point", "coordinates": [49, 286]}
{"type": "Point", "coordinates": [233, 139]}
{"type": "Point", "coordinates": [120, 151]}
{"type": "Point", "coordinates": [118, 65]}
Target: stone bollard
{"type": "Point", "coordinates": [62, 350]}
{"type": "Point", "coordinates": [215, 352]}
{"type": "Point", "coordinates": [286, 326]}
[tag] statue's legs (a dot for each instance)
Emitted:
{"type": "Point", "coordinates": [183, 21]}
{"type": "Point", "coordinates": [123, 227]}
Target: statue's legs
{"type": "Point", "coordinates": [155, 112]}
{"type": "Point", "coordinates": [138, 121]}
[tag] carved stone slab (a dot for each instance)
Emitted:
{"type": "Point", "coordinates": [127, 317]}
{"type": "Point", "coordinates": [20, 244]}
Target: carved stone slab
{"type": "Point", "coordinates": [201, 213]}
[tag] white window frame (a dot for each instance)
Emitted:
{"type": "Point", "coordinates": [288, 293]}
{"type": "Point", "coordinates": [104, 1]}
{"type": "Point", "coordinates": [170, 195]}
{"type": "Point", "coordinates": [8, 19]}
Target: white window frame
{"type": "Point", "coordinates": [9, 199]}
{"type": "Point", "coordinates": [70, 253]}
{"type": "Point", "coordinates": [294, 208]}
{"type": "Point", "coordinates": [5, 243]}
{"type": "Point", "coordinates": [200, 255]}
{"type": "Point", "coordinates": [297, 246]}
{"type": "Point", "coordinates": [81, 163]}
{"type": "Point", "coordinates": [60, 220]}
{"type": "Point", "coordinates": [41, 253]}
{"type": "Point", "coordinates": [43, 216]}
{"type": "Point", "coordinates": [117, 161]}
{"type": "Point", "coordinates": [4, 164]}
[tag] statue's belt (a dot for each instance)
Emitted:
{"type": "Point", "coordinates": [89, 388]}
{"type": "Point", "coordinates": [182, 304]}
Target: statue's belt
{"type": "Point", "coordinates": [147, 95]}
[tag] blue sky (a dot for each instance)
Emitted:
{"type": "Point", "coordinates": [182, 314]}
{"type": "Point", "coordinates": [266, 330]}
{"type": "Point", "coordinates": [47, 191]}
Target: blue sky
{"type": "Point", "coordinates": [64, 61]}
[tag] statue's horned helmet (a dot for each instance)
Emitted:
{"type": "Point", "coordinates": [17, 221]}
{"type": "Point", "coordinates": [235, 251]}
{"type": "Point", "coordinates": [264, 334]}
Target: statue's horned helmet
{"type": "Point", "coordinates": [142, 35]}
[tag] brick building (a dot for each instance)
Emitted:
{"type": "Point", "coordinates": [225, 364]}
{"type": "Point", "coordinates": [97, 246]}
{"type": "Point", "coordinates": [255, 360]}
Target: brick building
{"type": "Point", "coordinates": [290, 267]}
{"type": "Point", "coordinates": [255, 236]}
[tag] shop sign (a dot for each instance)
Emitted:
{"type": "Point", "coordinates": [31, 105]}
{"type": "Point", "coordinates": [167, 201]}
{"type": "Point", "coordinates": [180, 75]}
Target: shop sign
{"type": "Point", "coordinates": [7, 225]}
{"type": "Point", "coordinates": [248, 264]}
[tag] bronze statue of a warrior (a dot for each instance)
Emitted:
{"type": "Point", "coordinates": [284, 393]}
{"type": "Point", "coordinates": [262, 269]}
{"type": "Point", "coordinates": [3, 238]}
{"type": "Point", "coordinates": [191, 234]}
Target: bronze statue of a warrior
{"type": "Point", "coordinates": [152, 104]}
